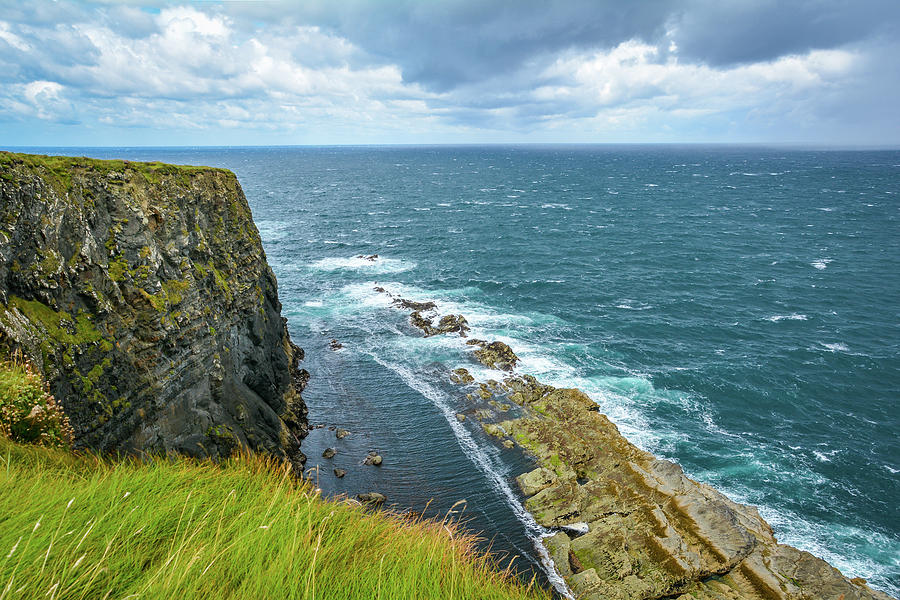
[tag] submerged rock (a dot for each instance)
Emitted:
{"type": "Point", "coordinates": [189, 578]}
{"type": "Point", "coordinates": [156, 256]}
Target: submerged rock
{"type": "Point", "coordinates": [369, 257]}
{"type": "Point", "coordinates": [341, 433]}
{"type": "Point", "coordinates": [335, 345]}
{"type": "Point", "coordinates": [373, 458]}
{"type": "Point", "coordinates": [460, 417]}
{"type": "Point", "coordinates": [339, 473]}
{"type": "Point", "coordinates": [328, 452]}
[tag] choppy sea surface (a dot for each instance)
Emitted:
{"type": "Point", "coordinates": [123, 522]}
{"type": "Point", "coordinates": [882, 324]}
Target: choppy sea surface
{"type": "Point", "coordinates": [736, 309]}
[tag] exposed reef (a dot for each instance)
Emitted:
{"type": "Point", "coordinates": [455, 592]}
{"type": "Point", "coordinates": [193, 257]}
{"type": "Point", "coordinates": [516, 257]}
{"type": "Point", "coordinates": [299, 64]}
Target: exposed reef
{"type": "Point", "coordinates": [143, 293]}
{"type": "Point", "coordinates": [624, 524]}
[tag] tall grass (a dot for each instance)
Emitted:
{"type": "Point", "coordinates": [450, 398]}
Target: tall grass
{"type": "Point", "coordinates": [81, 527]}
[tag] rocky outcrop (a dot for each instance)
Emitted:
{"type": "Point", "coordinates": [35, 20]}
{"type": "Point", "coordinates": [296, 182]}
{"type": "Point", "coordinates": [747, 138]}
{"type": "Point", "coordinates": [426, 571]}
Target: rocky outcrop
{"type": "Point", "coordinates": [142, 290]}
{"type": "Point", "coordinates": [495, 355]}
{"type": "Point", "coordinates": [630, 526]}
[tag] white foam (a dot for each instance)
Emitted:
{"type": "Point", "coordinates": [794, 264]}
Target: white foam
{"type": "Point", "coordinates": [821, 456]}
{"type": "Point", "coordinates": [485, 463]}
{"type": "Point", "coordinates": [628, 305]}
{"type": "Point", "coordinates": [790, 317]}
{"type": "Point", "coordinates": [358, 263]}
{"type": "Point", "coordinates": [821, 263]}
{"type": "Point", "coordinates": [835, 347]}
{"type": "Point", "coordinates": [314, 303]}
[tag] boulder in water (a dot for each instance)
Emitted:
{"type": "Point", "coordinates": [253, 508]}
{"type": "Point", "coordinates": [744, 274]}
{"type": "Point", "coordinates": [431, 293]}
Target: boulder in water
{"type": "Point", "coordinates": [495, 355]}
{"type": "Point", "coordinates": [371, 498]}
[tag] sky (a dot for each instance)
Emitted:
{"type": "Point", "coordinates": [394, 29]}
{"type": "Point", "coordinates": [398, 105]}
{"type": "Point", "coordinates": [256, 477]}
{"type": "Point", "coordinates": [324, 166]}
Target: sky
{"type": "Point", "coordinates": [817, 72]}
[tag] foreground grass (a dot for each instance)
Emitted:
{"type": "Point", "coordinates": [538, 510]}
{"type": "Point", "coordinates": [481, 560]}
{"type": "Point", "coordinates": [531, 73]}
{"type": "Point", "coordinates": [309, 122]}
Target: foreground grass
{"type": "Point", "coordinates": [79, 527]}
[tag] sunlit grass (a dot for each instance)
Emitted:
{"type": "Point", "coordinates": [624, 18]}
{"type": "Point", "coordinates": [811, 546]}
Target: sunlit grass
{"type": "Point", "coordinates": [79, 527]}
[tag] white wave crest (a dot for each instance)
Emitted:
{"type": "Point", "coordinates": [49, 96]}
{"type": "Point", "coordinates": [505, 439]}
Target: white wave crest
{"type": "Point", "coordinates": [359, 263]}
{"type": "Point", "coordinates": [790, 317]}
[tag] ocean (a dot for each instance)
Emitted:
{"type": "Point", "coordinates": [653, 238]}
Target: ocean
{"type": "Point", "coordinates": [735, 309]}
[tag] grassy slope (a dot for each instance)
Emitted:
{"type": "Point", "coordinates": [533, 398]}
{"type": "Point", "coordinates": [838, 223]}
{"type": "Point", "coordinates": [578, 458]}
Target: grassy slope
{"type": "Point", "coordinates": [78, 527]}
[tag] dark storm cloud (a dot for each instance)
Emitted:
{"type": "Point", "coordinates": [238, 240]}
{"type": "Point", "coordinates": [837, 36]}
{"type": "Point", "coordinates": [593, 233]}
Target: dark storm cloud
{"type": "Point", "coordinates": [726, 33]}
{"type": "Point", "coordinates": [443, 45]}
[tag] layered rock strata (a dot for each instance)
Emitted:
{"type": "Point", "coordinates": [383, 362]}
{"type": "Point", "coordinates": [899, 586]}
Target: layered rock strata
{"type": "Point", "coordinates": [625, 524]}
{"type": "Point", "coordinates": [142, 291]}
{"type": "Point", "coordinates": [632, 526]}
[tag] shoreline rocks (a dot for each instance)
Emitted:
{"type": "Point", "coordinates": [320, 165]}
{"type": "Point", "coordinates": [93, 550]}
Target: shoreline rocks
{"type": "Point", "coordinates": [495, 355]}
{"type": "Point", "coordinates": [373, 459]}
{"type": "Point", "coordinates": [373, 498]}
{"type": "Point", "coordinates": [631, 526]}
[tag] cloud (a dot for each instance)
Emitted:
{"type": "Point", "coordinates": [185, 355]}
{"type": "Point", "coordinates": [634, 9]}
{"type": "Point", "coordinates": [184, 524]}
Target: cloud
{"type": "Point", "coordinates": [745, 31]}
{"type": "Point", "coordinates": [510, 70]}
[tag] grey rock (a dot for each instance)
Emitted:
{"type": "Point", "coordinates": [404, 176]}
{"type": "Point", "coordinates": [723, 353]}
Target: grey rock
{"type": "Point", "coordinates": [150, 281]}
{"type": "Point", "coordinates": [371, 498]}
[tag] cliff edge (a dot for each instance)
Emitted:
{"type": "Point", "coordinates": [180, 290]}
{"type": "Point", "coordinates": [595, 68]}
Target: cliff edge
{"type": "Point", "coordinates": [143, 293]}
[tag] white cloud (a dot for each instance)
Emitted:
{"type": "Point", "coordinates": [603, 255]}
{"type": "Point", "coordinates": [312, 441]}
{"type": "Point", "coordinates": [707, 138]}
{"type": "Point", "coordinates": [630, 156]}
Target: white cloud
{"type": "Point", "coordinates": [198, 68]}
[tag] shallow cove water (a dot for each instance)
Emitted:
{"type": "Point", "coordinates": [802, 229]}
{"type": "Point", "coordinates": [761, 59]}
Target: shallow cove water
{"type": "Point", "coordinates": [734, 309]}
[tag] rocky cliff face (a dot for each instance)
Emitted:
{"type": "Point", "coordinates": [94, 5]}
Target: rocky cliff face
{"type": "Point", "coordinates": [142, 291]}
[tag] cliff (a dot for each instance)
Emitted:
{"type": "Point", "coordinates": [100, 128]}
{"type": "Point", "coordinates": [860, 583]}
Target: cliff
{"type": "Point", "coordinates": [143, 293]}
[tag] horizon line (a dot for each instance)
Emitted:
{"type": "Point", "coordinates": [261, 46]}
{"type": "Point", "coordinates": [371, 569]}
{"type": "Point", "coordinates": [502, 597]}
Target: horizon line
{"type": "Point", "coordinates": [780, 145]}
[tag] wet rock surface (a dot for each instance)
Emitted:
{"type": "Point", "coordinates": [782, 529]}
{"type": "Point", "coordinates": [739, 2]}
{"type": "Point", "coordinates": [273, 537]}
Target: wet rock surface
{"type": "Point", "coordinates": [635, 526]}
{"type": "Point", "coordinates": [630, 526]}
{"type": "Point", "coordinates": [142, 292]}
{"type": "Point", "coordinates": [495, 355]}
{"type": "Point", "coordinates": [461, 376]}
{"type": "Point", "coordinates": [373, 459]}
{"type": "Point", "coordinates": [414, 306]}
{"type": "Point", "coordinates": [373, 498]}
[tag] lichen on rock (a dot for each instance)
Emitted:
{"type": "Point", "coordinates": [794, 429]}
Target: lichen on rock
{"type": "Point", "coordinates": [142, 292]}
{"type": "Point", "coordinates": [645, 529]}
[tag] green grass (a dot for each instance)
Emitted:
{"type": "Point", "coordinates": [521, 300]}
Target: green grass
{"type": "Point", "coordinates": [81, 527]}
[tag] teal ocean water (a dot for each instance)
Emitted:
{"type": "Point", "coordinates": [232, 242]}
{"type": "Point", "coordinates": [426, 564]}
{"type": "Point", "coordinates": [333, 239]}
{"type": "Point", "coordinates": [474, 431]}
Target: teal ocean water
{"type": "Point", "coordinates": [734, 309]}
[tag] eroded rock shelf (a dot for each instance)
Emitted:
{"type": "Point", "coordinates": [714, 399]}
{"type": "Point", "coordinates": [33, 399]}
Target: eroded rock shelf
{"type": "Point", "coordinates": [625, 524]}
